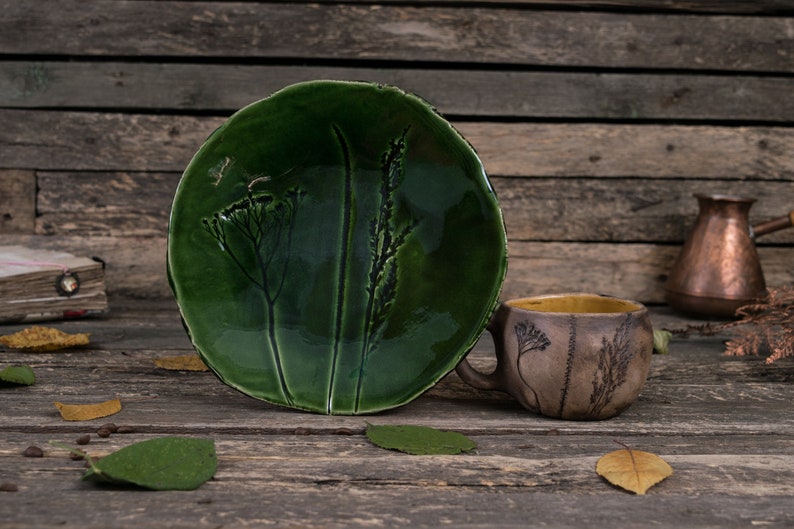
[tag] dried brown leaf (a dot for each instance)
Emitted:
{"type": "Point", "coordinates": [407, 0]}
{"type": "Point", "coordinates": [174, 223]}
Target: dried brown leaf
{"type": "Point", "coordinates": [633, 470]}
{"type": "Point", "coordinates": [37, 338]}
{"type": "Point", "coordinates": [191, 362]}
{"type": "Point", "coordinates": [87, 412]}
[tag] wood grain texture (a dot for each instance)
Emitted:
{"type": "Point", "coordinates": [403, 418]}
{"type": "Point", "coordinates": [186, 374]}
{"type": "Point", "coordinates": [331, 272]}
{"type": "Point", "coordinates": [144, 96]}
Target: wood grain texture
{"type": "Point", "coordinates": [636, 271]}
{"type": "Point", "coordinates": [17, 201]}
{"type": "Point", "coordinates": [645, 151]}
{"type": "Point", "coordinates": [538, 209]}
{"type": "Point", "coordinates": [627, 209]}
{"type": "Point", "coordinates": [454, 92]}
{"type": "Point", "coordinates": [136, 266]}
{"type": "Point", "coordinates": [596, 120]}
{"type": "Point", "coordinates": [120, 204]}
{"type": "Point", "coordinates": [146, 142]}
{"type": "Point", "coordinates": [722, 423]}
{"type": "Point", "coordinates": [704, 6]}
{"type": "Point", "coordinates": [390, 32]}
{"type": "Point", "coordinates": [695, 377]}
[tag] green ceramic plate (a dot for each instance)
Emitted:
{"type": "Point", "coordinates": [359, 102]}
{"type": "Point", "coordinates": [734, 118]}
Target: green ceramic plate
{"type": "Point", "coordinates": [335, 247]}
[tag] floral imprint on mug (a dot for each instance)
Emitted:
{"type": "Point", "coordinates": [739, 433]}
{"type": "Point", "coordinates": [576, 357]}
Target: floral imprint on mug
{"type": "Point", "coordinates": [530, 338]}
{"type": "Point", "coordinates": [569, 362]}
{"type": "Point", "coordinates": [613, 364]}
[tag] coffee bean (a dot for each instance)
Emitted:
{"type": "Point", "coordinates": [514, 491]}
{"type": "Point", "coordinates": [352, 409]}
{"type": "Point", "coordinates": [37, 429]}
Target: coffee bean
{"type": "Point", "coordinates": [77, 455]}
{"type": "Point", "coordinates": [111, 427]}
{"type": "Point", "coordinates": [125, 428]}
{"type": "Point", "coordinates": [8, 487]}
{"type": "Point", "coordinates": [344, 431]}
{"type": "Point", "coordinates": [33, 451]}
{"type": "Point", "coordinates": [83, 439]}
{"type": "Point", "coordinates": [103, 433]}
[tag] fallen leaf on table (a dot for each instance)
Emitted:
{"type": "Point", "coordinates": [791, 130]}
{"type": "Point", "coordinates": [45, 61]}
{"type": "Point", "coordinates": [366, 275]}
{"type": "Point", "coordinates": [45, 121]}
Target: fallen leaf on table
{"type": "Point", "coordinates": [419, 440]}
{"type": "Point", "coordinates": [191, 362]}
{"type": "Point", "coordinates": [17, 375]}
{"type": "Point", "coordinates": [87, 412]}
{"type": "Point", "coordinates": [661, 341]}
{"type": "Point", "coordinates": [43, 339]}
{"type": "Point", "coordinates": [166, 463]}
{"type": "Point", "coordinates": [633, 470]}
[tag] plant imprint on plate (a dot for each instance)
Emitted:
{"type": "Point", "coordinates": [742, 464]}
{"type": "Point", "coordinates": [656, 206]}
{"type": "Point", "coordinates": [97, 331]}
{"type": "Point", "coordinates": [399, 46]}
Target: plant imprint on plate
{"type": "Point", "coordinates": [261, 224]}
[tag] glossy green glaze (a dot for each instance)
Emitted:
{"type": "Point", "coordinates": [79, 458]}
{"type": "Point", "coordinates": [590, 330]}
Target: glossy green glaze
{"type": "Point", "coordinates": [335, 247]}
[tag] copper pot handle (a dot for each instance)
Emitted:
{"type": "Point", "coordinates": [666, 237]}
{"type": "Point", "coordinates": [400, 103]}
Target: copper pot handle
{"type": "Point", "coordinates": [773, 225]}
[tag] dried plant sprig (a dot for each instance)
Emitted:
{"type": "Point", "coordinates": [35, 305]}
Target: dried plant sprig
{"type": "Point", "coordinates": [768, 321]}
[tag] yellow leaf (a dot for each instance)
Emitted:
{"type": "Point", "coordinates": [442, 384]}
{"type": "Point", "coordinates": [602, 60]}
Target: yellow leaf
{"type": "Point", "coordinates": [87, 412]}
{"type": "Point", "coordinates": [190, 362]}
{"type": "Point", "coordinates": [43, 339]}
{"type": "Point", "coordinates": [633, 470]}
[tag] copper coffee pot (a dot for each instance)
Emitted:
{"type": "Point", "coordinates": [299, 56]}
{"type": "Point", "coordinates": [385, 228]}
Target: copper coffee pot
{"type": "Point", "coordinates": [718, 270]}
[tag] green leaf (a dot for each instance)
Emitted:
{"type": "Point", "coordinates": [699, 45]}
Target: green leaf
{"type": "Point", "coordinates": [17, 375]}
{"type": "Point", "coordinates": [166, 463]}
{"type": "Point", "coordinates": [419, 440]}
{"type": "Point", "coordinates": [661, 339]}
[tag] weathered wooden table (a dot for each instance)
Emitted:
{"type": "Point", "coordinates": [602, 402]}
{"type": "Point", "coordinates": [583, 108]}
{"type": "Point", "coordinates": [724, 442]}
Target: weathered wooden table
{"type": "Point", "coordinates": [724, 424]}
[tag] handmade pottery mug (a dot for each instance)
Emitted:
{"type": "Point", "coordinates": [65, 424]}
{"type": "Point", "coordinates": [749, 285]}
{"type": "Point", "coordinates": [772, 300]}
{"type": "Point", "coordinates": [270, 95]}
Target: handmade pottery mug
{"type": "Point", "coordinates": [571, 356]}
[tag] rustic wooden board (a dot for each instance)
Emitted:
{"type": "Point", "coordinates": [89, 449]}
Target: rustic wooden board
{"type": "Point", "coordinates": [616, 150]}
{"type": "Point", "coordinates": [705, 6]}
{"type": "Point", "coordinates": [144, 142]}
{"type": "Point", "coordinates": [719, 396]}
{"type": "Point", "coordinates": [627, 209]}
{"type": "Point", "coordinates": [290, 462]}
{"type": "Point", "coordinates": [724, 424]}
{"type": "Point", "coordinates": [310, 458]}
{"type": "Point", "coordinates": [136, 265]}
{"type": "Point", "coordinates": [366, 504]}
{"type": "Point", "coordinates": [455, 92]}
{"type": "Point", "coordinates": [93, 141]}
{"type": "Point", "coordinates": [17, 201]}
{"type": "Point", "coordinates": [636, 271]}
{"type": "Point", "coordinates": [388, 32]}
{"type": "Point", "coordinates": [115, 204]}
{"type": "Point", "coordinates": [539, 209]}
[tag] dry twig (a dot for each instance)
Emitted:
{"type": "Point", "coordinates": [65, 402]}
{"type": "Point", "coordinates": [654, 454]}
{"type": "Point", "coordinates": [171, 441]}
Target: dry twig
{"type": "Point", "coordinates": [769, 321]}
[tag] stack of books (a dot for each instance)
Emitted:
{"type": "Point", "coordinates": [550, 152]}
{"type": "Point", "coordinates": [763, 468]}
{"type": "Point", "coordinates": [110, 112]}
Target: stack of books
{"type": "Point", "coordinates": [40, 285]}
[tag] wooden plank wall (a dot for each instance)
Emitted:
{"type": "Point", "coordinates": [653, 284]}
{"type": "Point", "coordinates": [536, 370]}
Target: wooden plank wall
{"type": "Point", "coordinates": [595, 120]}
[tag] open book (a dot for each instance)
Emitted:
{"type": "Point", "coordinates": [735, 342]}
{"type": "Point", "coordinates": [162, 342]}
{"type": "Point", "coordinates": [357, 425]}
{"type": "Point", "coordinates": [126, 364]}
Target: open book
{"type": "Point", "coordinates": [44, 284]}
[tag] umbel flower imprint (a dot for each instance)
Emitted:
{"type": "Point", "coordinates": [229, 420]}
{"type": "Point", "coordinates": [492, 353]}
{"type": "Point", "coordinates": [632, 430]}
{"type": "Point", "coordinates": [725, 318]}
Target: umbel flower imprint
{"type": "Point", "coordinates": [265, 226]}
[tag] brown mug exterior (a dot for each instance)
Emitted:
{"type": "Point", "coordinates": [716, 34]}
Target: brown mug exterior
{"type": "Point", "coordinates": [569, 365]}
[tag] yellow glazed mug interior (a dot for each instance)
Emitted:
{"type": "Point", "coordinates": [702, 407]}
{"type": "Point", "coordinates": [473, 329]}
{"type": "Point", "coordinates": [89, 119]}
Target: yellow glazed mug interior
{"type": "Point", "coordinates": [575, 304]}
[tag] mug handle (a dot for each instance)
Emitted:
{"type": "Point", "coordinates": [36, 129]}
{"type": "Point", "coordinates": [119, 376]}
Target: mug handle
{"type": "Point", "coordinates": [481, 380]}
